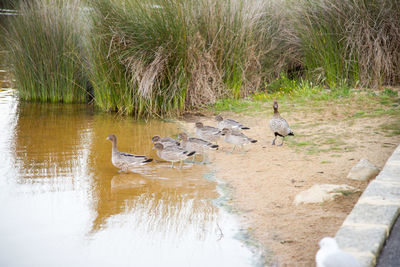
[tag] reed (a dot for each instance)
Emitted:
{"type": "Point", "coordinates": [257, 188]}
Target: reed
{"type": "Point", "coordinates": [44, 45]}
{"type": "Point", "coordinates": [162, 57]}
{"type": "Point", "coordinates": [165, 56]}
{"type": "Point", "coordinates": [350, 42]}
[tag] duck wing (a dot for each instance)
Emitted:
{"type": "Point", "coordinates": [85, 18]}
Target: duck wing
{"type": "Point", "coordinates": [133, 159]}
{"type": "Point", "coordinates": [211, 130]}
{"type": "Point", "coordinates": [199, 141]}
{"type": "Point", "coordinates": [279, 125]}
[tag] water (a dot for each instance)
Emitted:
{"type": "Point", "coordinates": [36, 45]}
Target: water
{"type": "Point", "coordinates": [64, 204]}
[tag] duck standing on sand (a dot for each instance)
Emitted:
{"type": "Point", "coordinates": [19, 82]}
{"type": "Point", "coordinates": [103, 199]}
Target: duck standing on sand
{"type": "Point", "coordinates": [172, 153]}
{"type": "Point", "coordinates": [196, 144]}
{"type": "Point", "coordinates": [207, 133]}
{"type": "Point", "coordinates": [229, 123]}
{"type": "Point", "coordinates": [236, 138]}
{"type": "Point", "coordinates": [125, 161]}
{"type": "Point", "coordinates": [279, 125]}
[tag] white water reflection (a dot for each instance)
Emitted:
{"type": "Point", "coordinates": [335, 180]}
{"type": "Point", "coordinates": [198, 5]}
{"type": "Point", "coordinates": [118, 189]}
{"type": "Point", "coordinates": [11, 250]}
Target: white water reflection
{"type": "Point", "coordinates": [64, 204]}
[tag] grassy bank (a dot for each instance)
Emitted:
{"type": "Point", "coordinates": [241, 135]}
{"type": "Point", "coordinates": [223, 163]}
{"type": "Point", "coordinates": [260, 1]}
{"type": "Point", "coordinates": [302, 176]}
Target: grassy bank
{"type": "Point", "coordinates": [167, 56]}
{"type": "Point", "coordinates": [156, 58]}
{"type": "Point", "coordinates": [44, 44]}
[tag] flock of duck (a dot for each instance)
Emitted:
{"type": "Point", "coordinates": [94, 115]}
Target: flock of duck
{"type": "Point", "coordinates": [173, 150]}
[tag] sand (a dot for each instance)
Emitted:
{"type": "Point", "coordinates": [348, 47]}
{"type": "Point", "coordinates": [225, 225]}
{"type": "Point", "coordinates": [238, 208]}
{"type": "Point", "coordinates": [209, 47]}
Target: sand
{"type": "Point", "coordinates": [267, 178]}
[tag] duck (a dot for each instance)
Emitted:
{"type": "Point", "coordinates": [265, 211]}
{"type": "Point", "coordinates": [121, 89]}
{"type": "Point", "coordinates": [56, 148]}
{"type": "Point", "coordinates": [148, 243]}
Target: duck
{"type": "Point", "coordinates": [279, 125]}
{"type": "Point", "coordinates": [229, 123]}
{"type": "Point", "coordinates": [125, 161]}
{"type": "Point", "coordinates": [172, 153]}
{"type": "Point", "coordinates": [236, 138]}
{"type": "Point", "coordinates": [330, 254]}
{"type": "Point", "coordinates": [166, 141]}
{"type": "Point", "coordinates": [196, 144]}
{"type": "Point", "coordinates": [207, 133]}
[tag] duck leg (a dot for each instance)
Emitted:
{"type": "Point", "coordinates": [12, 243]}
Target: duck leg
{"type": "Point", "coordinates": [273, 141]}
{"type": "Point", "coordinates": [180, 166]}
{"type": "Point", "coordinates": [233, 149]}
{"type": "Point", "coordinates": [282, 141]}
{"type": "Point", "coordinates": [172, 164]}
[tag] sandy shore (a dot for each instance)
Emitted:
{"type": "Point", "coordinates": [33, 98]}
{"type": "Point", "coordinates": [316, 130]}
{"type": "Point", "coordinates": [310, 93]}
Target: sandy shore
{"type": "Point", "coordinates": [267, 178]}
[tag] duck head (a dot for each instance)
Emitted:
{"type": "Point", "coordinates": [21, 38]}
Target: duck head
{"type": "Point", "coordinates": [199, 125]}
{"type": "Point", "coordinates": [112, 138]}
{"type": "Point", "coordinates": [225, 131]}
{"type": "Point", "coordinates": [219, 118]}
{"type": "Point", "coordinates": [158, 146]}
{"type": "Point", "coordinates": [155, 138]}
{"type": "Point", "coordinates": [183, 136]}
{"type": "Point", "coordinates": [275, 104]}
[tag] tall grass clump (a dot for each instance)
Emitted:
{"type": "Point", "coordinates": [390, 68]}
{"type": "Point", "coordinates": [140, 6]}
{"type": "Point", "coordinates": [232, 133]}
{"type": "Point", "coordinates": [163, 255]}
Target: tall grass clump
{"type": "Point", "coordinates": [44, 44]}
{"type": "Point", "coordinates": [164, 56]}
{"type": "Point", "coordinates": [350, 42]}
{"type": "Point", "coordinates": [321, 27]}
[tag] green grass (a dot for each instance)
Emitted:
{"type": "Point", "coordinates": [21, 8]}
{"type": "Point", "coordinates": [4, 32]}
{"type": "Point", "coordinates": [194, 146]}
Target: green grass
{"type": "Point", "coordinates": [167, 56]}
{"type": "Point", "coordinates": [44, 46]}
{"type": "Point", "coordinates": [164, 57]}
{"type": "Point", "coordinates": [391, 129]}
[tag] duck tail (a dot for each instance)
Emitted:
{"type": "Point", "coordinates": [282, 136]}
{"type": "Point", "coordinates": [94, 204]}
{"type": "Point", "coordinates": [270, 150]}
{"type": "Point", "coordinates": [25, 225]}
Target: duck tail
{"type": "Point", "coordinates": [244, 128]}
{"type": "Point", "coordinates": [291, 133]}
{"type": "Point", "coordinates": [191, 153]}
{"type": "Point", "coordinates": [214, 147]}
{"type": "Point", "coordinates": [147, 161]}
{"type": "Point", "coordinates": [253, 141]}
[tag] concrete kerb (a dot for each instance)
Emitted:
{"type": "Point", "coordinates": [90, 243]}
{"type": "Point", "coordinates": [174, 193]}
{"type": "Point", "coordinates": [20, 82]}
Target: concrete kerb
{"type": "Point", "coordinates": [366, 228]}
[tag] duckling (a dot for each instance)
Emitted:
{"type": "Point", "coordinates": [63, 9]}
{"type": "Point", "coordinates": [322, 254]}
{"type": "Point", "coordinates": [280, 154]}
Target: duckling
{"type": "Point", "coordinates": [196, 144]}
{"type": "Point", "coordinates": [207, 133]}
{"type": "Point", "coordinates": [279, 125]}
{"type": "Point", "coordinates": [172, 153]}
{"type": "Point", "coordinates": [229, 123]}
{"type": "Point", "coordinates": [125, 161]}
{"type": "Point", "coordinates": [166, 141]}
{"type": "Point", "coordinates": [236, 138]}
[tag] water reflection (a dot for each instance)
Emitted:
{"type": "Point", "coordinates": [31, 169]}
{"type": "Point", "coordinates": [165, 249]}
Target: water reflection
{"type": "Point", "coordinates": [67, 205]}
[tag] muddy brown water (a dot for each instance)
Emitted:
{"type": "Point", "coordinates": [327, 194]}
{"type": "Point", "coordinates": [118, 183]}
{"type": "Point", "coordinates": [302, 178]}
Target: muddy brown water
{"type": "Point", "coordinates": [64, 204]}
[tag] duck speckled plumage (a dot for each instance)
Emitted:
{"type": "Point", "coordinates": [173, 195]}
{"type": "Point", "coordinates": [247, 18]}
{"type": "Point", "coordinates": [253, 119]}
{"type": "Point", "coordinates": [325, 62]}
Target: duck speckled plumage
{"type": "Point", "coordinates": [172, 153]}
{"type": "Point", "coordinates": [236, 138]}
{"type": "Point", "coordinates": [279, 125]}
{"type": "Point", "coordinates": [229, 123]}
{"type": "Point", "coordinates": [207, 133]}
{"type": "Point", "coordinates": [125, 161]}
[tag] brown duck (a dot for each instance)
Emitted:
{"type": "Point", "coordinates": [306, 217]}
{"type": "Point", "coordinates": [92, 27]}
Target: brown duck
{"type": "Point", "coordinates": [125, 161]}
{"type": "Point", "coordinates": [279, 125]}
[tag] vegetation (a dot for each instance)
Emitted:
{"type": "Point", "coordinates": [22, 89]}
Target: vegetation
{"type": "Point", "coordinates": [161, 57]}
{"type": "Point", "coordinates": [168, 55]}
{"type": "Point", "coordinates": [44, 45]}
